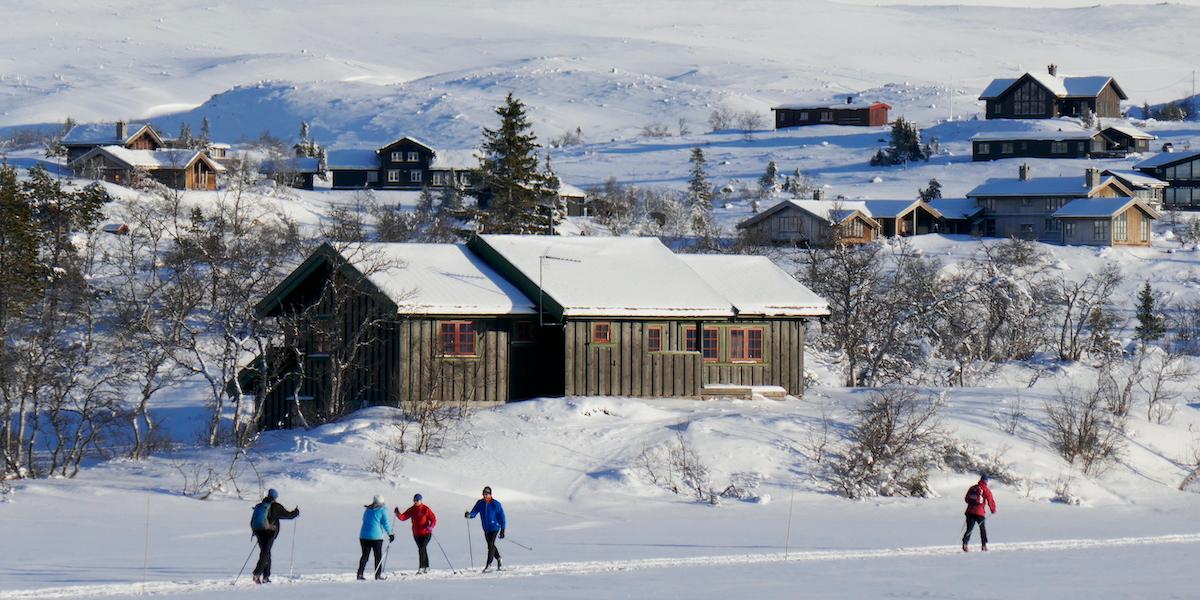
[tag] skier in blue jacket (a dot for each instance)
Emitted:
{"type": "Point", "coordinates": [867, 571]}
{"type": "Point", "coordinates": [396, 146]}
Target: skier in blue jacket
{"type": "Point", "coordinates": [491, 515]}
{"type": "Point", "coordinates": [376, 525]}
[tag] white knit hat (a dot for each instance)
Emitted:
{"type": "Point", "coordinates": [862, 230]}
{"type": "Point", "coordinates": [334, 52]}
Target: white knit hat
{"type": "Point", "coordinates": [378, 499]}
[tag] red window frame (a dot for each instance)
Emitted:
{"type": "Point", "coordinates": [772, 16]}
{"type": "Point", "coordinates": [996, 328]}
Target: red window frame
{"type": "Point", "coordinates": [746, 344]}
{"type": "Point", "coordinates": [654, 338]}
{"type": "Point", "coordinates": [457, 338]}
{"type": "Point", "coordinates": [710, 344]}
{"type": "Point", "coordinates": [602, 333]}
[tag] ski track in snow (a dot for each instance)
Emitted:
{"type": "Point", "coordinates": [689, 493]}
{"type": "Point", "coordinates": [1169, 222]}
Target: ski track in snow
{"type": "Point", "coordinates": [163, 588]}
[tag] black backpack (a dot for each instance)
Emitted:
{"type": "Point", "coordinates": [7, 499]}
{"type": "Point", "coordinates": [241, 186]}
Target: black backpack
{"type": "Point", "coordinates": [974, 495]}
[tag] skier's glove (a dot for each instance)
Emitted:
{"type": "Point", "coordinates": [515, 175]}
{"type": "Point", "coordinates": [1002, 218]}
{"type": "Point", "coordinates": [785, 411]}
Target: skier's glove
{"type": "Point", "coordinates": [501, 534]}
{"type": "Point", "coordinates": [467, 514]}
{"type": "Point", "coordinates": [297, 511]}
{"type": "Point", "coordinates": [391, 538]}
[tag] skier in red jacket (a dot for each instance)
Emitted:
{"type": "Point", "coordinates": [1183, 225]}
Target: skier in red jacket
{"type": "Point", "coordinates": [978, 497]}
{"type": "Point", "coordinates": [423, 522]}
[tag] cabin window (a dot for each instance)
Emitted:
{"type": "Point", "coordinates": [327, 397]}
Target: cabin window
{"type": "Point", "coordinates": [985, 148]}
{"type": "Point", "coordinates": [1053, 204]}
{"type": "Point", "coordinates": [710, 344]}
{"type": "Point", "coordinates": [1121, 227]}
{"type": "Point", "coordinates": [602, 333]}
{"type": "Point", "coordinates": [826, 116]}
{"type": "Point", "coordinates": [1029, 99]}
{"type": "Point", "coordinates": [414, 157]}
{"type": "Point", "coordinates": [439, 179]}
{"type": "Point", "coordinates": [1026, 202]}
{"type": "Point", "coordinates": [414, 176]}
{"type": "Point", "coordinates": [1069, 229]}
{"type": "Point", "coordinates": [523, 331]}
{"type": "Point", "coordinates": [372, 177]}
{"type": "Point", "coordinates": [1100, 230]}
{"type": "Point", "coordinates": [1006, 148]}
{"type": "Point", "coordinates": [1053, 225]}
{"type": "Point", "coordinates": [397, 157]}
{"type": "Point", "coordinates": [1058, 147]}
{"type": "Point", "coordinates": [746, 344]}
{"type": "Point", "coordinates": [1145, 229]}
{"type": "Point", "coordinates": [654, 338]}
{"type": "Point", "coordinates": [853, 229]}
{"type": "Point", "coordinates": [319, 343]}
{"type": "Point", "coordinates": [803, 115]}
{"type": "Point", "coordinates": [457, 338]}
{"type": "Point", "coordinates": [393, 175]}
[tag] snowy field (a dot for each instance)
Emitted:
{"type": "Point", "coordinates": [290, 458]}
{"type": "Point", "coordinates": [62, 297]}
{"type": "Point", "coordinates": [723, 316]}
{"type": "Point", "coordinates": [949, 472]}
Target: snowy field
{"type": "Point", "coordinates": [566, 470]}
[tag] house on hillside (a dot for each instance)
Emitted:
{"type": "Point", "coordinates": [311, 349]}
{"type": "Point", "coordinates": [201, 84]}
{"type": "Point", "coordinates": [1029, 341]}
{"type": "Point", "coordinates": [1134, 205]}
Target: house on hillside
{"type": "Point", "coordinates": [1028, 207]}
{"type": "Point", "coordinates": [1181, 172]}
{"type": "Point", "coordinates": [902, 218]}
{"type": "Point", "coordinates": [407, 163]}
{"type": "Point", "coordinates": [175, 168]}
{"type": "Point", "coordinates": [1050, 95]}
{"type": "Point", "coordinates": [574, 199]}
{"type": "Point", "coordinates": [83, 138]}
{"type": "Point", "coordinates": [1115, 141]}
{"type": "Point", "coordinates": [1118, 221]}
{"type": "Point", "coordinates": [299, 172]}
{"type": "Point", "coordinates": [851, 112]}
{"type": "Point", "coordinates": [1149, 189]}
{"type": "Point", "coordinates": [505, 318]}
{"type": "Point", "coordinates": [813, 223]}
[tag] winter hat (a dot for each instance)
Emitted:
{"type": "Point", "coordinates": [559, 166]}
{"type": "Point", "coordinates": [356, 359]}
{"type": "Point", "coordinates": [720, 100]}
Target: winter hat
{"type": "Point", "coordinates": [983, 477]}
{"type": "Point", "coordinates": [417, 498]}
{"type": "Point", "coordinates": [272, 494]}
{"type": "Point", "coordinates": [378, 499]}
{"type": "Point", "coordinates": [487, 489]}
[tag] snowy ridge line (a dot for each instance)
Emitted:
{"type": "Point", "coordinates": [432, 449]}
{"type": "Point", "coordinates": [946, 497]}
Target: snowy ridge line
{"type": "Point", "coordinates": [162, 588]}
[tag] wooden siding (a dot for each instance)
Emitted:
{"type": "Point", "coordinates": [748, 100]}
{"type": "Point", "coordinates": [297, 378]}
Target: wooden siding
{"type": "Point", "coordinates": [995, 150]}
{"type": "Point", "coordinates": [793, 225]}
{"type": "Point", "coordinates": [863, 117]}
{"type": "Point", "coordinates": [625, 367]}
{"type": "Point", "coordinates": [422, 374]}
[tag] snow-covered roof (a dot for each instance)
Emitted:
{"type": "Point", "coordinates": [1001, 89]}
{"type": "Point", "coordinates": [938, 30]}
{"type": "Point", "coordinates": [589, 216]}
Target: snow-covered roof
{"type": "Point", "coordinates": [1136, 178]}
{"type": "Point", "coordinates": [1101, 207]}
{"type": "Point", "coordinates": [461, 160]}
{"type": "Point", "coordinates": [101, 134]}
{"type": "Point", "coordinates": [1131, 131]}
{"type": "Point", "coordinates": [756, 286]}
{"type": "Point", "coordinates": [353, 159]}
{"type": "Point", "coordinates": [1166, 158]}
{"type": "Point", "coordinates": [836, 211]}
{"type": "Point", "coordinates": [610, 277]}
{"type": "Point", "coordinates": [830, 106]}
{"type": "Point", "coordinates": [437, 279]}
{"type": "Point", "coordinates": [165, 158]}
{"type": "Point", "coordinates": [569, 191]}
{"type": "Point", "coordinates": [891, 209]}
{"type": "Point", "coordinates": [956, 208]}
{"type": "Point", "coordinates": [409, 138]}
{"type": "Point", "coordinates": [295, 164]}
{"type": "Point", "coordinates": [1048, 135]}
{"type": "Point", "coordinates": [1037, 186]}
{"type": "Point", "coordinates": [1061, 86]}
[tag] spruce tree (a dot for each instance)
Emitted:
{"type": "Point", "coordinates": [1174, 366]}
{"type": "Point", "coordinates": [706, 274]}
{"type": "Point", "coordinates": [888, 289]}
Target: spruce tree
{"type": "Point", "coordinates": [205, 130]}
{"type": "Point", "coordinates": [769, 182]}
{"type": "Point", "coordinates": [699, 192]}
{"type": "Point", "coordinates": [21, 274]}
{"type": "Point", "coordinates": [905, 145]}
{"type": "Point", "coordinates": [933, 192]}
{"type": "Point", "coordinates": [511, 185]}
{"type": "Point", "coordinates": [1150, 323]}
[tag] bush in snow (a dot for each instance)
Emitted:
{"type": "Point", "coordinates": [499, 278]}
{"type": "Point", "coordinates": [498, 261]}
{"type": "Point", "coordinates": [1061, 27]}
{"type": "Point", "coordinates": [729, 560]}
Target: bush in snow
{"type": "Point", "coordinates": [1083, 431]}
{"type": "Point", "coordinates": [905, 145]}
{"type": "Point", "coordinates": [965, 457]}
{"type": "Point", "coordinates": [721, 119]}
{"type": "Point", "coordinates": [677, 467]}
{"type": "Point", "coordinates": [1064, 495]}
{"type": "Point", "coordinates": [655, 130]}
{"type": "Point", "coordinates": [895, 438]}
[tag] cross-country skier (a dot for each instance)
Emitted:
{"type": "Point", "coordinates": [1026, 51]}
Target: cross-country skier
{"type": "Point", "coordinates": [491, 515]}
{"type": "Point", "coordinates": [376, 525]}
{"type": "Point", "coordinates": [423, 522]}
{"type": "Point", "coordinates": [265, 524]}
{"type": "Point", "coordinates": [978, 497]}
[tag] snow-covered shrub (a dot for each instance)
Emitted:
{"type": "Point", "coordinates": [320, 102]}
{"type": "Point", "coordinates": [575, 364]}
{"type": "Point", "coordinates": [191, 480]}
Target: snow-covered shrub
{"type": "Point", "coordinates": [676, 467]}
{"type": "Point", "coordinates": [896, 437]}
{"type": "Point", "coordinates": [965, 457]}
{"type": "Point", "coordinates": [1083, 430]}
{"type": "Point", "coordinates": [201, 480]}
{"type": "Point", "coordinates": [1064, 495]}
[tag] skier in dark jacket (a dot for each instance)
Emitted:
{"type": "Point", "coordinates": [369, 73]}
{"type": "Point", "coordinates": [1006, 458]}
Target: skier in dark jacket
{"type": "Point", "coordinates": [423, 522]}
{"type": "Point", "coordinates": [978, 497]}
{"type": "Point", "coordinates": [267, 531]}
{"type": "Point", "coordinates": [376, 525]}
{"type": "Point", "coordinates": [491, 515]}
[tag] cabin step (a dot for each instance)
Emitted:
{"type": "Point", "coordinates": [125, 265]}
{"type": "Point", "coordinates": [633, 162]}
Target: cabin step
{"type": "Point", "coordinates": [743, 392]}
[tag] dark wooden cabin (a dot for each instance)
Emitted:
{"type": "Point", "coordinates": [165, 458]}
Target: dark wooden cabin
{"type": "Point", "coordinates": [420, 322]}
{"type": "Point", "coordinates": [176, 168]}
{"type": "Point", "coordinates": [1115, 141]}
{"type": "Point", "coordinates": [813, 223]}
{"type": "Point", "coordinates": [405, 164]}
{"type": "Point", "coordinates": [1049, 95]}
{"type": "Point", "coordinates": [1181, 171]}
{"type": "Point", "coordinates": [863, 114]}
{"type": "Point", "coordinates": [83, 138]}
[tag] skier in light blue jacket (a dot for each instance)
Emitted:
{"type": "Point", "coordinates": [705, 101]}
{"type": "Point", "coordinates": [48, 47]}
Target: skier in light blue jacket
{"type": "Point", "coordinates": [376, 525]}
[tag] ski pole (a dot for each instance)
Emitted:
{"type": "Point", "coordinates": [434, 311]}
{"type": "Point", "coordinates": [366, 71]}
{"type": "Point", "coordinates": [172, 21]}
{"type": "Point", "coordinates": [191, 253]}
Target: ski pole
{"type": "Point", "coordinates": [519, 544]}
{"type": "Point", "coordinates": [243, 569]}
{"type": "Point", "coordinates": [787, 542]}
{"type": "Point", "coordinates": [379, 567]}
{"type": "Point", "coordinates": [292, 562]}
{"type": "Point", "coordinates": [470, 545]}
{"type": "Point", "coordinates": [444, 555]}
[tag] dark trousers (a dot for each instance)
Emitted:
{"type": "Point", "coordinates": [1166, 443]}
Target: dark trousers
{"type": "Point", "coordinates": [493, 552]}
{"type": "Point", "coordinates": [369, 546]}
{"type": "Point", "coordinates": [971, 521]}
{"type": "Point", "coordinates": [266, 538]}
{"type": "Point", "coordinates": [422, 542]}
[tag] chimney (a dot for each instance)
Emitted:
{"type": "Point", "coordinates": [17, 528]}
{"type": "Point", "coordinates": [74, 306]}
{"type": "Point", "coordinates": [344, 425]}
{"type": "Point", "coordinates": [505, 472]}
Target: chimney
{"type": "Point", "coordinates": [818, 194]}
{"type": "Point", "coordinates": [849, 99]}
{"type": "Point", "coordinates": [122, 131]}
{"type": "Point", "coordinates": [1024, 171]}
{"type": "Point", "coordinates": [1052, 69]}
{"type": "Point", "coordinates": [1092, 178]}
